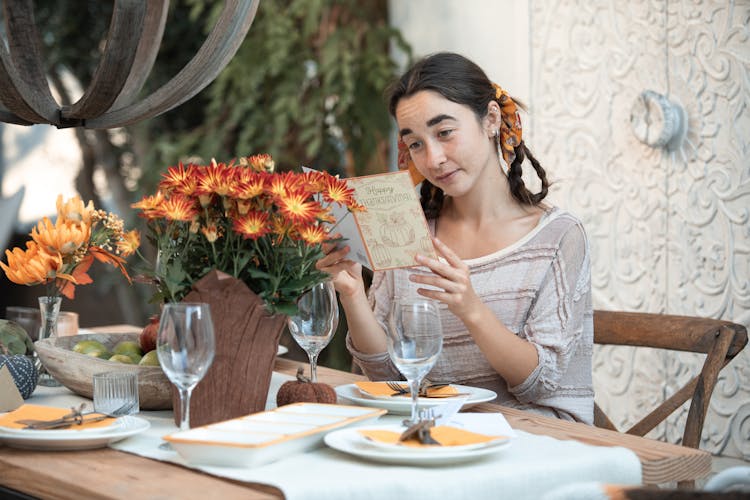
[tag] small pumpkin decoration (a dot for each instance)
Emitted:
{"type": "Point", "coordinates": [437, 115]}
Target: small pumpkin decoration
{"type": "Point", "coordinates": [303, 390]}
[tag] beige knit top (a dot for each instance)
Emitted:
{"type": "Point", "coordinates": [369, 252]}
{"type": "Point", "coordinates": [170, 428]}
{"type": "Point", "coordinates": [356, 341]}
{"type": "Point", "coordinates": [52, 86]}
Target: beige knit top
{"type": "Point", "coordinates": [540, 288]}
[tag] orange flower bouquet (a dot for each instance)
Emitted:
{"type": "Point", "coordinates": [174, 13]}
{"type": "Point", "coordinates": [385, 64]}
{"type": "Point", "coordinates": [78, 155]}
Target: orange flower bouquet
{"type": "Point", "coordinates": [262, 227]}
{"type": "Point", "coordinates": [60, 254]}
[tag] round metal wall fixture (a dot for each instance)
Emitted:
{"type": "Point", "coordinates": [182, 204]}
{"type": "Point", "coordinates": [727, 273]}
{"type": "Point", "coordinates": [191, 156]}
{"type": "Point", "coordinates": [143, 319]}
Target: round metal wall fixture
{"type": "Point", "coordinates": [656, 121]}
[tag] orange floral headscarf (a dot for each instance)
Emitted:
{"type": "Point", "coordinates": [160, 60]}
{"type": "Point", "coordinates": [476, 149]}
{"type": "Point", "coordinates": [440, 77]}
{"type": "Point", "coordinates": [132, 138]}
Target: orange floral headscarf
{"type": "Point", "coordinates": [510, 135]}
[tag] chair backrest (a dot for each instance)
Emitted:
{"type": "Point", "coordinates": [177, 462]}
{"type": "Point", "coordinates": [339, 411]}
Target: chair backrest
{"type": "Point", "coordinates": [720, 340]}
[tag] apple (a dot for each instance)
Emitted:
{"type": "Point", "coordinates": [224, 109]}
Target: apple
{"type": "Point", "coordinates": [147, 338]}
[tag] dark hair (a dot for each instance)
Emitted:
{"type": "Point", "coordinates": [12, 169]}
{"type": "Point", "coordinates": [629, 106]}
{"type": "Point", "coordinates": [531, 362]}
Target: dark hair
{"type": "Point", "coordinates": [460, 80]}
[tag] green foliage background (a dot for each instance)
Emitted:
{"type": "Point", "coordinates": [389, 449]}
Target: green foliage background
{"type": "Point", "coordinates": [306, 86]}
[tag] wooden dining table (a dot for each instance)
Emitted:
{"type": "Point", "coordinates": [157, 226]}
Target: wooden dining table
{"type": "Point", "coordinates": [110, 474]}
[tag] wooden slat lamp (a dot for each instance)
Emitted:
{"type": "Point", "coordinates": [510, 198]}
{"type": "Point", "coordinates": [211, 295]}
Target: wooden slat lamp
{"type": "Point", "coordinates": [133, 40]}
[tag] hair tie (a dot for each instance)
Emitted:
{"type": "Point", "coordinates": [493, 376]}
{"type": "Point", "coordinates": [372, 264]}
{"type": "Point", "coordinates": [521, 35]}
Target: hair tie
{"type": "Point", "coordinates": [406, 163]}
{"type": "Point", "coordinates": [511, 132]}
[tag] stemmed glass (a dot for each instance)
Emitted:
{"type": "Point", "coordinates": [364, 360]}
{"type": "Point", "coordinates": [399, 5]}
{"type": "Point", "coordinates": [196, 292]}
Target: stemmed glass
{"type": "Point", "coordinates": [185, 347]}
{"type": "Point", "coordinates": [315, 322]}
{"type": "Point", "coordinates": [415, 340]}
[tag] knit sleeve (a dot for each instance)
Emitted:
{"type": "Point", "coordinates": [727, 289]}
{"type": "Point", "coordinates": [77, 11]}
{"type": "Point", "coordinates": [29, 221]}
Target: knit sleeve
{"type": "Point", "coordinates": [377, 366]}
{"type": "Point", "coordinates": [556, 324]}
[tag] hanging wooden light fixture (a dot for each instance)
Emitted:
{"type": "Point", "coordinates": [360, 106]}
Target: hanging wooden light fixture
{"type": "Point", "coordinates": [132, 43]}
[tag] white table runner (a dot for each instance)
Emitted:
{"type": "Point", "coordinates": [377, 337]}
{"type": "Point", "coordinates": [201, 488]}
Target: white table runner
{"type": "Point", "coordinates": [531, 467]}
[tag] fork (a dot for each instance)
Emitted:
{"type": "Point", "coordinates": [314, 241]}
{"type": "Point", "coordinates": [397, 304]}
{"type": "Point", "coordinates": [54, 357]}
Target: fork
{"type": "Point", "coordinates": [76, 417]}
{"type": "Point", "coordinates": [400, 391]}
{"type": "Point", "coordinates": [395, 386]}
{"type": "Point", "coordinates": [422, 428]}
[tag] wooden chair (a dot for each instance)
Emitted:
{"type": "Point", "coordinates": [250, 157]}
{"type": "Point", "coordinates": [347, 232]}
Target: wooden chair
{"type": "Point", "coordinates": [720, 340]}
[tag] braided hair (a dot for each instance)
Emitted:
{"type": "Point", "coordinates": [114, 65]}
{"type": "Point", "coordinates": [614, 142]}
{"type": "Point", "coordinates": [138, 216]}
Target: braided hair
{"type": "Point", "coordinates": [462, 81]}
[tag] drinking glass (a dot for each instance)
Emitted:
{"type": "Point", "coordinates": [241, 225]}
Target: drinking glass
{"type": "Point", "coordinates": [185, 347]}
{"type": "Point", "coordinates": [315, 322]}
{"type": "Point", "coordinates": [116, 393]}
{"type": "Point", "coordinates": [415, 340]}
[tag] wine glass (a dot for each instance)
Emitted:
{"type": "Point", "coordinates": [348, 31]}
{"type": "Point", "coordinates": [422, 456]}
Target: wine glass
{"type": "Point", "coordinates": [185, 347]}
{"type": "Point", "coordinates": [315, 322]}
{"type": "Point", "coordinates": [415, 340]}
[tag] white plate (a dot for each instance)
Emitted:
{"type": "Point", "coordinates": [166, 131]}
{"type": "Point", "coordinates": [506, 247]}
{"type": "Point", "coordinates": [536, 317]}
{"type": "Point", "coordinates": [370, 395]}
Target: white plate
{"type": "Point", "coordinates": [69, 431]}
{"type": "Point", "coordinates": [402, 405]}
{"type": "Point", "coordinates": [43, 440]}
{"type": "Point", "coordinates": [399, 448]}
{"type": "Point", "coordinates": [267, 436]}
{"type": "Point", "coordinates": [352, 442]}
{"type": "Point", "coordinates": [406, 396]}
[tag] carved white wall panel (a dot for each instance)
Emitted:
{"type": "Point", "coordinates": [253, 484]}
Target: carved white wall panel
{"type": "Point", "coordinates": [669, 230]}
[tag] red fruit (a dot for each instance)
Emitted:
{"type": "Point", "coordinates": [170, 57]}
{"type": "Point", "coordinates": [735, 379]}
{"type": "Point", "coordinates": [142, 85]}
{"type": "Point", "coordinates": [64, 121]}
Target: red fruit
{"type": "Point", "coordinates": [147, 338]}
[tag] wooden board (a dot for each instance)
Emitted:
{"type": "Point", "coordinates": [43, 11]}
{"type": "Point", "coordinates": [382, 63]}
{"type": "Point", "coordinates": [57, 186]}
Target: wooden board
{"type": "Point", "coordinates": [110, 474]}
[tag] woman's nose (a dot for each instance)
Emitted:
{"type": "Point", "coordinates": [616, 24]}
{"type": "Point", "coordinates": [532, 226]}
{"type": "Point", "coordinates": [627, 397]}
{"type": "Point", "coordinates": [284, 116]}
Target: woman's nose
{"type": "Point", "coordinates": [435, 155]}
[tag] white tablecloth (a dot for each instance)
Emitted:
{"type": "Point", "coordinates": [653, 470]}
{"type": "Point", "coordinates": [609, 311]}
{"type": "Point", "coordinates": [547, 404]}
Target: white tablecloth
{"type": "Point", "coordinates": [531, 467]}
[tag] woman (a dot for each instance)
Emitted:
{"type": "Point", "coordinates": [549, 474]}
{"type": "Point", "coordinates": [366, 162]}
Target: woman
{"type": "Point", "coordinates": [513, 279]}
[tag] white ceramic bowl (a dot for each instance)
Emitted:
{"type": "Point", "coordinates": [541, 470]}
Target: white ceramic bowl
{"type": "Point", "coordinates": [76, 371]}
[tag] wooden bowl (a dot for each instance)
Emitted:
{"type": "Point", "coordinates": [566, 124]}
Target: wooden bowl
{"type": "Point", "coordinates": [75, 371]}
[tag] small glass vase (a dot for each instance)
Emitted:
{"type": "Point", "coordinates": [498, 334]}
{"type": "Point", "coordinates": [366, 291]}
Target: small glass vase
{"type": "Point", "coordinates": [50, 309]}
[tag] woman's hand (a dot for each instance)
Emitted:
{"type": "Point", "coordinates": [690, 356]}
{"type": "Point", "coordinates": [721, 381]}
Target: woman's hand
{"type": "Point", "coordinates": [452, 277]}
{"type": "Point", "coordinates": [346, 275]}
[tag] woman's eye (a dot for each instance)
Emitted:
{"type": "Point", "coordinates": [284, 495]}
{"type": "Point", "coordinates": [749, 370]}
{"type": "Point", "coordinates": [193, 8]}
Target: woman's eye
{"type": "Point", "coordinates": [414, 145]}
{"type": "Point", "coordinates": [445, 133]}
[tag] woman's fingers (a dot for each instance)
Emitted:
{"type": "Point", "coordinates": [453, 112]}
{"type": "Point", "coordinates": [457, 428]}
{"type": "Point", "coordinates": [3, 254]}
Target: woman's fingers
{"type": "Point", "coordinates": [328, 247]}
{"type": "Point", "coordinates": [445, 269]}
{"type": "Point", "coordinates": [444, 250]}
{"type": "Point", "coordinates": [334, 256]}
{"type": "Point", "coordinates": [449, 280]}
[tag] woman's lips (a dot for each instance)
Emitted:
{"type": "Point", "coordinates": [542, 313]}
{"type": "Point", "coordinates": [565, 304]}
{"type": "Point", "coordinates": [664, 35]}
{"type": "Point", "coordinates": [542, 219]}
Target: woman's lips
{"type": "Point", "coordinates": [446, 177]}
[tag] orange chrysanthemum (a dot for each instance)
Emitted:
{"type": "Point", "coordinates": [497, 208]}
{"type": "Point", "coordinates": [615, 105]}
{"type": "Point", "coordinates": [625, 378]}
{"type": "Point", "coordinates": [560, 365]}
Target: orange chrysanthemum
{"type": "Point", "coordinates": [180, 179]}
{"type": "Point", "coordinates": [337, 191]}
{"type": "Point", "coordinates": [281, 184]}
{"type": "Point", "coordinates": [211, 232]}
{"type": "Point", "coordinates": [60, 254]}
{"type": "Point", "coordinates": [259, 163]}
{"type": "Point", "coordinates": [74, 210]}
{"type": "Point", "coordinates": [178, 208]}
{"type": "Point", "coordinates": [281, 226]}
{"type": "Point", "coordinates": [247, 220]}
{"type": "Point", "coordinates": [63, 237]}
{"type": "Point", "coordinates": [314, 180]}
{"type": "Point", "coordinates": [249, 185]}
{"type": "Point", "coordinates": [217, 178]}
{"type": "Point", "coordinates": [31, 266]}
{"type": "Point", "coordinates": [129, 243]}
{"type": "Point", "coordinates": [252, 225]}
{"type": "Point", "coordinates": [298, 208]}
{"type": "Point", "coordinates": [150, 205]}
{"type": "Point", "coordinates": [313, 234]}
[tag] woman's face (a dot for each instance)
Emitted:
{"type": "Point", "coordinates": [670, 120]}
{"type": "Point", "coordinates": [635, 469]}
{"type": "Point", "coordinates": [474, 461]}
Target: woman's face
{"type": "Point", "coordinates": [448, 144]}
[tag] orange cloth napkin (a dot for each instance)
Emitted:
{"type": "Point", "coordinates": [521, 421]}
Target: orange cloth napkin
{"type": "Point", "coordinates": [381, 389]}
{"type": "Point", "coordinates": [443, 434]}
{"type": "Point", "coordinates": [37, 412]}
